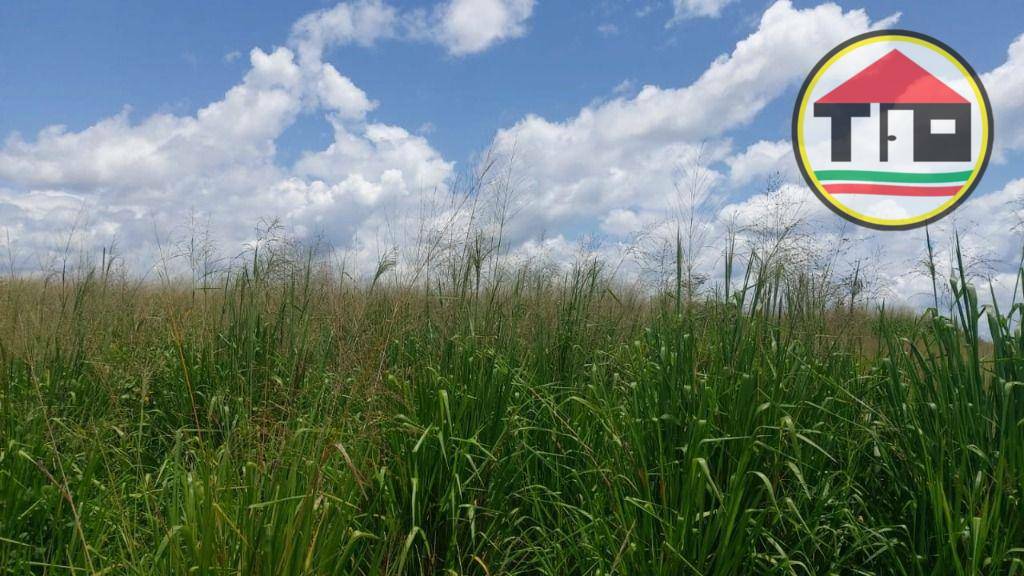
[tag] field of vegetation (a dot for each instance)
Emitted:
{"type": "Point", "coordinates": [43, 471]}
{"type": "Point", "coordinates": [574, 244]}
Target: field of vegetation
{"type": "Point", "coordinates": [286, 419]}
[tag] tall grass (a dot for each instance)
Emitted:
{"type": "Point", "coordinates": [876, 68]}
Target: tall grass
{"type": "Point", "coordinates": [287, 420]}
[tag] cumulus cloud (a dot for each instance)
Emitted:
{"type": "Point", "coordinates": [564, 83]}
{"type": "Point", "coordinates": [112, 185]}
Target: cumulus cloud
{"type": "Point", "coordinates": [339, 94]}
{"type": "Point", "coordinates": [761, 159]}
{"type": "Point", "coordinates": [624, 166]}
{"type": "Point", "coordinates": [620, 222]}
{"type": "Point", "coordinates": [615, 171]}
{"type": "Point", "coordinates": [470, 26]}
{"type": "Point", "coordinates": [1005, 85]}
{"type": "Point", "coordinates": [631, 153]}
{"type": "Point", "coordinates": [136, 178]}
{"type": "Point", "coordinates": [363, 22]}
{"type": "Point", "coordinates": [114, 154]}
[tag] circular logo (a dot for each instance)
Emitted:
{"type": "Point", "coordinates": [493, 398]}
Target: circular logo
{"type": "Point", "coordinates": [892, 129]}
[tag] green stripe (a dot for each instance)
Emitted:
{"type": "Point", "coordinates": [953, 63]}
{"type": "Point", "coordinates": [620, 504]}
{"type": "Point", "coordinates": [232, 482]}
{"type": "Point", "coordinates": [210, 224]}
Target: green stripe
{"type": "Point", "coordinates": [908, 177]}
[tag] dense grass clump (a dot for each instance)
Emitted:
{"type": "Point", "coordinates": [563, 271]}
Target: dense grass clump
{"type": "Point", "coordinates": [285, 421]}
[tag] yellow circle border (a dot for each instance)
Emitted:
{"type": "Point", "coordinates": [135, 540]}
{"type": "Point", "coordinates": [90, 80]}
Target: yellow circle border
{"type": "Point", "coordinates": [900, 36]}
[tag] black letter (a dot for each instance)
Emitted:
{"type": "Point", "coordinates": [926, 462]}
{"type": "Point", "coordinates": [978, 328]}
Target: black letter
{"type": "Point", "coordinates": [841, 115]}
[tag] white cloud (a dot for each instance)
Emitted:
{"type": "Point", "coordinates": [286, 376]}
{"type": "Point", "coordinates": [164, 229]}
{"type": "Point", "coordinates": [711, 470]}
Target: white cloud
{"type": "Point", "coordinates": [1005, 86]}
{"type": "Point", "coordinates": [620, 222]}
{"type": "Point", "coordinates": [624, 87]}
{"type": "Point", "coordinates": [137, 179]}
{"type": "Point", "coordinates": [338, 93]}
{"type": "Point", "coordinates": [462, 27]}
{"type": "Point", "coordinates": [363, 22]}
{"type": "Point", "coordinates": [988, 223]}
{"type": "Point", "coordinates": [470, 26]}
{"type": "Point", "coordinates": [732, 90]}
{"type": "Point", "coordinates": [238, 130]}
{"type": "Point", "coordinates": [621, 167]}
{"type": "Point", "coordinates": [685, 9]}
{"type": "Point", "coordinates": [376, 151]}
{"type": "Point", "coordinates": [630, 153]}
{"type": "Point", "coordinates": [760, 160]}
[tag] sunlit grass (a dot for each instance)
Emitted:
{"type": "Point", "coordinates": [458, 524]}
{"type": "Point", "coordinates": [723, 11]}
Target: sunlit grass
{"type": "Point", "coordinates": [287, 421]}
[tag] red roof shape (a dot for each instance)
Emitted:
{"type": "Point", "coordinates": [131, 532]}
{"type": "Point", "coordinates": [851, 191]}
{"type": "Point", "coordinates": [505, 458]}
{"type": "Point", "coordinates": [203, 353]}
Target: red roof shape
{"type": "Point", "coordinates": [893, 79]}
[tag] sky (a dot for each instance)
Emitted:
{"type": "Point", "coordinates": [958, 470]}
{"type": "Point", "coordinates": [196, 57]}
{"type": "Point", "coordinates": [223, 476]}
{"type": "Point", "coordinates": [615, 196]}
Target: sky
{"type": "Point", "coordinates": [121, 121]}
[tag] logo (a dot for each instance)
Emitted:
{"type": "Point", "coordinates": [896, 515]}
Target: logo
{"type": "Point", "coordinates": [892, 130]}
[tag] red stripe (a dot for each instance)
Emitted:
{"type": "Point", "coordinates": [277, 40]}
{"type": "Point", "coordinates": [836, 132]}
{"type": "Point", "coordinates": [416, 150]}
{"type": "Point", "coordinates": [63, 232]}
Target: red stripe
{"type": "Point", "coordinates": [892, 189]}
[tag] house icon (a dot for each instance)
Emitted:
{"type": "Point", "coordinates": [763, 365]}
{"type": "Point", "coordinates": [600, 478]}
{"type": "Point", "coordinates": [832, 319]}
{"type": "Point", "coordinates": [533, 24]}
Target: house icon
{"type": "Point", "coordinates": [941, 125]}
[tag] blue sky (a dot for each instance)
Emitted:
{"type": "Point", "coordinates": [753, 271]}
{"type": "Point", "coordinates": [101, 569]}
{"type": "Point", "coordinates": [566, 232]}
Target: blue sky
{"type": "Point", "coordinates": [424, 88]}
{"type": "Point", "coordinates": [170, 56]}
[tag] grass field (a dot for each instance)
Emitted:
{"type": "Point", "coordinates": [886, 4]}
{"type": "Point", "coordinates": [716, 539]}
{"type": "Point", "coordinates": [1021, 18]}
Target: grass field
{"type": "Point", "coordinates": [289, 421]}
